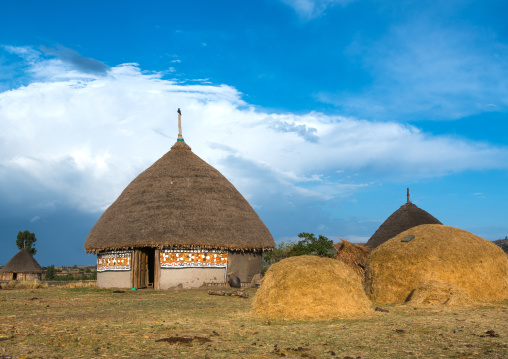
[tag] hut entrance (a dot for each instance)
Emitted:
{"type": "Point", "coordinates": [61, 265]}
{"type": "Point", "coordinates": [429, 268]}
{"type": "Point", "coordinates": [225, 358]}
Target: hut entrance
{"type": "Point", "coordinates": [143, 265]}
{"type": "Point", "coordinates": [14, 276]}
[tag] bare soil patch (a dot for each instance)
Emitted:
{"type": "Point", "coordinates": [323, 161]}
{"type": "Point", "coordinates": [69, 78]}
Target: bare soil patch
{"type": "Point", "coordinates": [96, 323]}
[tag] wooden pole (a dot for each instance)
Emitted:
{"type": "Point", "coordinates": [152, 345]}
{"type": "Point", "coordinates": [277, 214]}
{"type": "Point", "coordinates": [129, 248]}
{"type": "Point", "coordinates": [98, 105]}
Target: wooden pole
{"type": "Point", "coordinates": [408, 201]}
{"type": "Point", "coordinates": [180, 138]}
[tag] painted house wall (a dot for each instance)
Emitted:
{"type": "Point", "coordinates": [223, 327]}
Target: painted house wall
{"type": "Point", "coordinates": [172, 278]}
{"type": "Point", "coordinates": [114, 279]}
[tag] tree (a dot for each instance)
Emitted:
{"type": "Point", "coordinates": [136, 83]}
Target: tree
{"type": "Point", "coordinates": [311, 245]}
{"type": "Point", "coordinates": [50, 272]}
{"type": "Point", "coordinates": [280, 252]}
{"type": "Point", "coordinates": [26, 240]}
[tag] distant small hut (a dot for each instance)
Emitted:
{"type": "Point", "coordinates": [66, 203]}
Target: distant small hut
{"type": "Point", "coordinates": [179, 224]}
{"type": "Point", "coordinates": [407, 216]}
{"type": "Point", "coordinates": [21, 267]}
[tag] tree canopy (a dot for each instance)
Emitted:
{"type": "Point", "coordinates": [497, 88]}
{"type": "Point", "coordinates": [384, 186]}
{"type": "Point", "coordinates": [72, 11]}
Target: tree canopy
{"type": "Point", "coordinates": [26, 240]}
{"type": "Point", "coordinates": [308, 245]}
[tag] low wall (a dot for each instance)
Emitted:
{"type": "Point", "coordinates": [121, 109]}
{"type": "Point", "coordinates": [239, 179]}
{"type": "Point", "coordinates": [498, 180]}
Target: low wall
{"type": "Point", "coordinates": [114, 279]}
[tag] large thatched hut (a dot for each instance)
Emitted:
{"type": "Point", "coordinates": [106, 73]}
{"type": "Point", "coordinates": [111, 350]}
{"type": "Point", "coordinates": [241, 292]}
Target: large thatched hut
{"type": "Point", "coordinates": [180, 223]}
{"type": "Point", "coordinates": [407, 216]}
{"type": "Point", "coordinates": [21, 267]}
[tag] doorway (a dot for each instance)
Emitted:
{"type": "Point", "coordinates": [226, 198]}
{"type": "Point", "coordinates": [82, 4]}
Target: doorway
{"type": "Point", "coordinates": [144, 265]}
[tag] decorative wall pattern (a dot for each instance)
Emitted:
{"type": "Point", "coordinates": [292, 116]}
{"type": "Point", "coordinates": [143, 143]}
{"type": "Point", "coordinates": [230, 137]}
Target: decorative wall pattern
{"type": "Point", "coordinates": [184, 258]}
{"type": "Point", "coordinates": [114, 260]}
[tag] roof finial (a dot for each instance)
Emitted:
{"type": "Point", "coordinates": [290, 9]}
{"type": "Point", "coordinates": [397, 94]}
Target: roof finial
{"type": "Point", "coordinates": [180, 138]}
{"type": "Point", "coordinates": [408, 201]}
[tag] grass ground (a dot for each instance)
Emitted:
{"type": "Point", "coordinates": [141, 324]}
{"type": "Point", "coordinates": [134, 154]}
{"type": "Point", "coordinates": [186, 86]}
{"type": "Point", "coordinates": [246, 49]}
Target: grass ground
{"type": "Point", "coordinates": [60, 322]}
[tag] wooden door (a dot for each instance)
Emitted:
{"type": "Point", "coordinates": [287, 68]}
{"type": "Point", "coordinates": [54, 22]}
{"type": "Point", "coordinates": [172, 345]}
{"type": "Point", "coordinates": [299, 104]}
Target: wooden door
{"type": "Point", "coordinates": [140, 269]}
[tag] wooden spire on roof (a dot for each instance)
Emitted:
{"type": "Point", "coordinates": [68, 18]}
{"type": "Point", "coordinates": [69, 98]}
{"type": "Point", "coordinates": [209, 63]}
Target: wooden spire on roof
{"type": "Point", "coordinates": [180, 137]}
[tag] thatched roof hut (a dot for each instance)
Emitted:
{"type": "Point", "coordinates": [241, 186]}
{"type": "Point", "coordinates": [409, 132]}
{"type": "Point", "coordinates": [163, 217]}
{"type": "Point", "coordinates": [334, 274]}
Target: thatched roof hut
{"type": "Point", "coordinates": [181, 204]}
{"type": "Point", "coordinates": [407, 216]}
{"type": "Point", "coordinates": [180, 201]}
{"type": "Point", "coordinates": [21, 267]}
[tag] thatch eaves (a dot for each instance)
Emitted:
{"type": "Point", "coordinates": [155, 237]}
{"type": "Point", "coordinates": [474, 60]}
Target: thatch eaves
{"type": "Point", "coordinates": [23, 262]}
{"type": "Point", "coordinates": [407, 216]}
{"type": "Point", "coordinates": [180, 201]}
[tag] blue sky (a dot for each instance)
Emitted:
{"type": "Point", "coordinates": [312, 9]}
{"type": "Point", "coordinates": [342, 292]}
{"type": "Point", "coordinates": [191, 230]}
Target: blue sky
{"type": "Point", "coordinates": [320, 112]}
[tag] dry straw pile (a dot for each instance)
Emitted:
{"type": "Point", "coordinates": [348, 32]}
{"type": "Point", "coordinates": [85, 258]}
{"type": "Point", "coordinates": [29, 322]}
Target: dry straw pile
{"type": "Point", "coordinates": [353, 255]}
{"type": "Point", "coordinates": [437, 253]}
{"type": "Point", "coordinates": [310, 288]}
{"type": "Point", "coordinates": [434, 292]}
{"type": "Point", "coordinates": [25, 284]}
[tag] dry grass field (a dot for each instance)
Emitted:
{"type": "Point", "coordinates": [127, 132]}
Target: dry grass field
{"type": "Point", "coordinates": [60, 322]}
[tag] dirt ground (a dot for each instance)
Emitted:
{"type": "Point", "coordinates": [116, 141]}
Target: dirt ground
{"type": "Point", "coordinates": [96, 323]}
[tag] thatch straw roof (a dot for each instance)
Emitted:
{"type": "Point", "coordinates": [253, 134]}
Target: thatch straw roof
{"type": "Point", "coordinates": [407, 216]}
{"type": "Point", "coordinates": [180, 201]}
{"type": "Point", "coordinates": [353, 255]}
{"type": "Point", "coordinates": [310, 288]}
{"type": "Point", "coordinates": [23, 262]}
{"type": "Point", "coordinates": [436, 253]}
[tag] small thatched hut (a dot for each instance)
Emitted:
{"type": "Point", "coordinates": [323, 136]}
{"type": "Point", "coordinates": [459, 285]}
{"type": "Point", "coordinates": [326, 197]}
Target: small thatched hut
{"type": "Point", "coordinates": [407, 216]}
{"type": "Point", "coordinates": [180, 223]}
{"type": "Point", "coordinates": [21, 267]}
{"type": "Point", "coordinates": [450, 256]}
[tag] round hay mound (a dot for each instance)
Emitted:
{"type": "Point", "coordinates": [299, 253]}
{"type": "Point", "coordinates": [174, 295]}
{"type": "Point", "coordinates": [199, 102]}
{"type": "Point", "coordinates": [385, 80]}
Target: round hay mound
{"type": "Point", "coordinates": [310, 288]}
{"type": "Point", "coordinates": [440, 253]}
{"type": "Point", "coordinates": [434, 292]}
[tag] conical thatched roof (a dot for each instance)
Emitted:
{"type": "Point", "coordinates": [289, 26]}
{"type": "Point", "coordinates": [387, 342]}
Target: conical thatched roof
{"type": "Point", "coordinates": [23, 262]}
{"type": "Point", "coordinates": [407, 216]}
{"type": "Point", "coordinates": [180, 201]}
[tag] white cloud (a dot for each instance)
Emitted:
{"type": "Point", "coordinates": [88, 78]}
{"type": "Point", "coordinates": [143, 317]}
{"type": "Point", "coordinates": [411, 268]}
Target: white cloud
{"type": "Point", "coordinates": [84, 137]}
{"type": "Point", "coordinates": [434, 70]}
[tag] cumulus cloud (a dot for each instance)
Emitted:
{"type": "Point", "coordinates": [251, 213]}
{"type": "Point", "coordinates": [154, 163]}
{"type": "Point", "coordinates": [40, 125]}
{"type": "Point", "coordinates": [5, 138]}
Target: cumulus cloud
{"type": "Point", "coordinates": [78, 138]}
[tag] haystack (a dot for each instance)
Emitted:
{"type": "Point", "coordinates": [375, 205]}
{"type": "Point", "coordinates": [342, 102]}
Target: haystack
{"type": "Point", "coordinates": [435, 293]}
{"type": "Point", "coordinates": [353, 255]}
{"type": "Point", "coordinates": [436, 253]}
{"type": "Point", "coordinates": [407, 216]}
{"type": "Point", "coordinates": [310, 288]}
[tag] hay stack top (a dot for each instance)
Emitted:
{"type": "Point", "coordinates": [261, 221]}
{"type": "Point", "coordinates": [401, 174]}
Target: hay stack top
{"type": "Point", "coordinates": [180, 201]}
{"type": "Point", "coordinates": [23, 262]}
{"type": "Point", "coordinates": [407, 216]}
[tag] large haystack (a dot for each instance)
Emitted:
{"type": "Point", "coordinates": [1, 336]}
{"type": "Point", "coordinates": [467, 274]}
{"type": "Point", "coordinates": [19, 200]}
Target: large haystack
{"type": "Point", "coordinates": [407, 216]}
{"type": "Point", "coordinates": [310, 288]}
{"type": "Point", "coordinates": [436, 253]}
{"type": "Point", "coordinates": [353, 255]}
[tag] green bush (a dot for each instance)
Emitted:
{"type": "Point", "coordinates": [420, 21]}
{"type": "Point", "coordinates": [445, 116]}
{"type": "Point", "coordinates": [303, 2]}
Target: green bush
{"type": "Point", "coordinates": [308, 245]}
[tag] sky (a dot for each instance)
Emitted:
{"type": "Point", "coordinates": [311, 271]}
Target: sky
{"type": "Point", "coordinates": [320, 112]}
